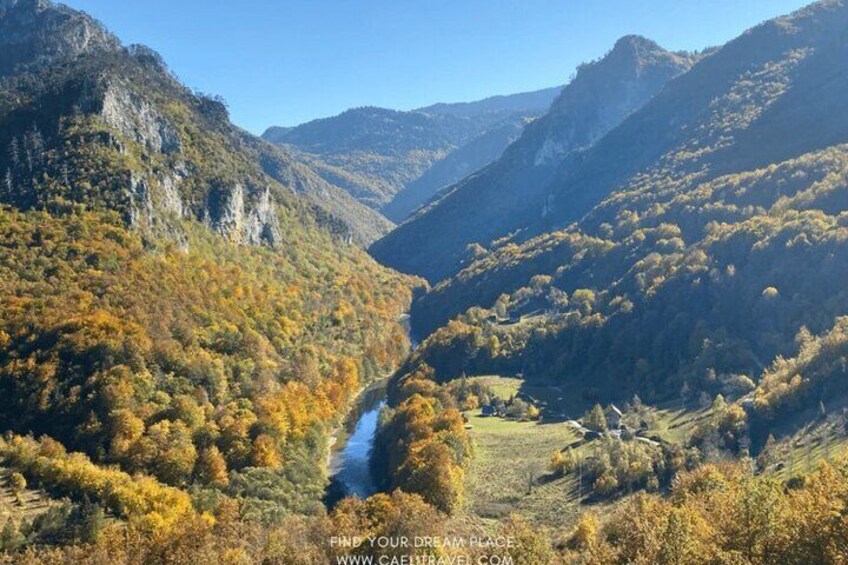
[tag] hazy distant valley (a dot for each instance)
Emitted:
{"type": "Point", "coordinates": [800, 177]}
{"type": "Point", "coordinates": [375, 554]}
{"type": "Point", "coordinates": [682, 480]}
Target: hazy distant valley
{"type": "Point", "coordinates": [396, 161]}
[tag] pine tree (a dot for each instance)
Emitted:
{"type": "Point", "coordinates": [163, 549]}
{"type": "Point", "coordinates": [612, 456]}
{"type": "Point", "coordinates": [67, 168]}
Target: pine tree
{"type": "Point", "coordinates": [35, 148]}
{"type": "Point", "coordinates": [14, 153]}
{"type": "Point", "coordinates": [595, 419]}
{"type": "Point", "coordinates": [767, 454]}
{"type": "Point", "coordinates": [88, 520]}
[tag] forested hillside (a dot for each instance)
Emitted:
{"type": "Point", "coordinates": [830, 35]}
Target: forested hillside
{"type": "Point", "coordinates": [698, 270]}
{"type": "Point", "coordinates": [170, 137]}
{"type": "Point", "coordinates": [178, 315]}
{"type": "Point", "coordinates": [638, 325]}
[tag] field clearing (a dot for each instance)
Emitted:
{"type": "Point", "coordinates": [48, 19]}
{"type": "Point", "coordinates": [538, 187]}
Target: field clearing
{"type": "Point", "coordinates": [675, 423]}
{"type": "Point", "coordinates": [802, 451]}
{"type": "Point", "coordinates": [29, 505]}
{"type": "Point", "coordinates": [507, 454]}
{"type": "Point", "coordinates": [504, 387]}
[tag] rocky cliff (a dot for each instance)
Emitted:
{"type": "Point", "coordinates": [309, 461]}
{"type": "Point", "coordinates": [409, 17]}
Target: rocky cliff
{"type": "Point", "coordinates": [72, 91]}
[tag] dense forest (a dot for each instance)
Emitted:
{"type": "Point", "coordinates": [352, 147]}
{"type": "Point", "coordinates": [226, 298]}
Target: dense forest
{"type": "Point", "coordinates": [182, 325]}
{"type": "Point", "coordinates": [696, 271]}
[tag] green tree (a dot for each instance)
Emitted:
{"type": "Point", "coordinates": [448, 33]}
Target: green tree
{"type": "Point", "coordinates": [595, 419]}
{"type": "Point", "coordinates": [17, 482]}
{"type": "Point", "coordinates": [87, 521]}
{"type": "Point", "coordinates": [11, 539]}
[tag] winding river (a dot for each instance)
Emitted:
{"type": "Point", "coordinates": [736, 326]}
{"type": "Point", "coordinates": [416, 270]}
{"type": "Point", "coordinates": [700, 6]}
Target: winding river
{"type": "Point", "coordinates": [350, 472]}
{"type": "Point", "coordinates": [349, 464]}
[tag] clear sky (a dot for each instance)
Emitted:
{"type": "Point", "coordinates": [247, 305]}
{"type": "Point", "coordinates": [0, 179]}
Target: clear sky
{"type": "Point", "coordinates": [283, 62]}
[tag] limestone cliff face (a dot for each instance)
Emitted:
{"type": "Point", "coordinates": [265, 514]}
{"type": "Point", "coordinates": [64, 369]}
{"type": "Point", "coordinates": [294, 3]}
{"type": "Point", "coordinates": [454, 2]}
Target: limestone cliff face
{"type": "Point", "coordinates": [241, 211]}
{"type": "Point", "coordinates": [244, 214]}
{"type": "Point", "coordinates": [139, 120]}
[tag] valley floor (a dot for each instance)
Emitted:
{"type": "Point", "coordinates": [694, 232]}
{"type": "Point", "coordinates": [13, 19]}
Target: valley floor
{"type": "Point", "coordinates": [510, 471]}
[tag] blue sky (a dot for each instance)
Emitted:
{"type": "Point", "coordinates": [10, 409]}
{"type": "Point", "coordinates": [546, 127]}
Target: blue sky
{"type": "Point", "coordinates": [284, 62]}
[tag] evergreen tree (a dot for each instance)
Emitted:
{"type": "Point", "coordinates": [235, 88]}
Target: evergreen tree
{"type": "Point", "coordinates": [87, 521]}
{"type": "Point", "coordinates": [11, 539]}
{"type": "Point", "coordinates": [7, 187]}
{"type": "Point", "coordinates": [595, 419]}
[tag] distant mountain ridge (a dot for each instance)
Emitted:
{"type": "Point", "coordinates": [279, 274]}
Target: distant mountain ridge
{"type": "Point", "coordinates": [460, 163]}
{"type": "Point", "coordinates": [377, 153]}
{"type": "Point", "coordinates": [511, 193]}
{"type": "Point", "coordinates": [519, 102]}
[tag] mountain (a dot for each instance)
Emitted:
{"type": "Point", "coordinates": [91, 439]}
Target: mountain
{"type": "Point", "coordinates": [712, 262]}
{"type": "Point", "coordinates": [693, 259]}
{"type": "Point", "coordinates": [512, 193]}
{"type": "Point", "coordinates": [185, 328]}
{"type": "Point", "coordinates": [375, 153]}
{"type": "Point", "coordinates": [378, 150]}
{"type": "Point", "coordinates": [359, 223]}
{"type": "Point", "coordinates": [178, 312]}
{"type": "Point", "coordinates": [461, 162]}
{"type": "Point", "coordinates": [38, 36]}
{"type": "Point", "coordinates": [535, 101]}
{"type": "Point", "coordinates": [34, 32]}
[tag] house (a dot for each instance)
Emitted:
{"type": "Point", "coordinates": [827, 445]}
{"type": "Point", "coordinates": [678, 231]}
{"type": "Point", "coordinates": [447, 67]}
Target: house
{"type": "Point", "coordinates": [613, 416]}
{"type": "Point", "coordinates": [489, 410]}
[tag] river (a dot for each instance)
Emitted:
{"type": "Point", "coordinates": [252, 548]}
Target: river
{"type": "Point", "coordinates": [350, 471]}
{"type": "Point", "coordinates": [349, 464]}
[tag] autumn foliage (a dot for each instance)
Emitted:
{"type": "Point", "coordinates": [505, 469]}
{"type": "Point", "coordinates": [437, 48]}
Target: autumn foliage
{"type": "Point", "coordinates": [190, 365]}
{"type": "Point", "coordinates": [423, 447]}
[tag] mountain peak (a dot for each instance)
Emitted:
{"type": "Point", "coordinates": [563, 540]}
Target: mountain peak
{"type": "Point", "coordinates": [641, 51]}
{"type": "Point", "coordinates": [39, 31]}
{"type": "Point", "coordinates": [635, 42]}
{"type": "Point", "coordinates": [511, 193]}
